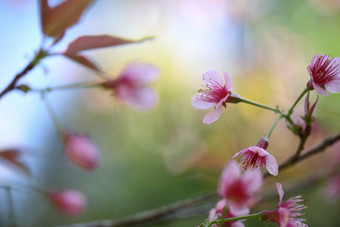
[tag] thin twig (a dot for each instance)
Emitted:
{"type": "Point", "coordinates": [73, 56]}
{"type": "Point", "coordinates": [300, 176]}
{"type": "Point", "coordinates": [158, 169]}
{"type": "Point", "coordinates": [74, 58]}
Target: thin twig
{"type": "Point", "coordinates": [12, 85]}
{"type": "Point", "coordinates": [163, 212]}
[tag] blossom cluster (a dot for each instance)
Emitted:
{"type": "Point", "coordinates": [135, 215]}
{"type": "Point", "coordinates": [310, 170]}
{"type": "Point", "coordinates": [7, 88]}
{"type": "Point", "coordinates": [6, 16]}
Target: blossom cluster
{"type": "Point", "coordinates": [239, 188]}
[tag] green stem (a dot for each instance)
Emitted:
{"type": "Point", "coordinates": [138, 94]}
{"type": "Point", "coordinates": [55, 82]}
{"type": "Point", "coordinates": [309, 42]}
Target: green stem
{"type": "Point", "coordinates": [54, 117]}
{"type": "Point", "coordinates": [257, 215]}
{"type": "Point", "coordinates": [296, 102]}
{"type": "Point", "coordinates": [240, 99]}
{"type": "Point", "coordinates": [67, 86]}
{"type": "Point", "coordinates": [273, 126]}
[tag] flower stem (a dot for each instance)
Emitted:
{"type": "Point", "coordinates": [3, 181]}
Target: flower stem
{"type": "Point", "coordinates": [257, 215]}
{"type": "Point", "coordinates": [67, 86]}
{"type": "Point", "coordinates": [54, 117]}
{"type": "Point", "coordinates": [236, 99]}
{"type": "Point", "coordinates": [273, 126]}
{"type": "Point", "coordinates": [11, 207]}
{"type": "Point", "coordinates": [296, 102]}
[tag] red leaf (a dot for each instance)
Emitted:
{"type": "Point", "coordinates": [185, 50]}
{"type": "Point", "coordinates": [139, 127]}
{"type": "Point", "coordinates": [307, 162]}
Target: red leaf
{"type": "Point", "coordinates": [12, 156]}
{"type": "Point", "coordinates": [56, 20]}
{"type": "Point", "coordinates": [83, 60]}
{"type": "Point", "coordinates": [88, 42]}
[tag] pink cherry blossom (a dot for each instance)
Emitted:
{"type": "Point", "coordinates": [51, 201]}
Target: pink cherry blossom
{"type": "Point", "coordinates": [131, 85]}
{"type": "Point", "coordinates": [81, 151]}
{"type": "Point", "coordinates": [286, 214]}
{"type": "Point", "coordinates": [257, 156]}
{"type": "Point", "coordinates": [325, 74]}
{"type": "Point", "coordinates": [239, 189]}
{"type": "Point", "coordinates": [213, 92]}
{"type": "Point", "coordinates": [217, 212]}
{"type": "Point", "coordinates": [68, 202]}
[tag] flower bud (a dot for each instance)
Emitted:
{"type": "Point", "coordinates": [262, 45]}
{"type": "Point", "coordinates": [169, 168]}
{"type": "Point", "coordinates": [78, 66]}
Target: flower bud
{"type": "Point", "coordinates": [81, 151]}
{"type": "Point", "coordinates": [68, 202]}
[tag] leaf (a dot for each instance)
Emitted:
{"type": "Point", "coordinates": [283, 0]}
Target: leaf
{"type": "Point", "coordinates": [88, 42]}
{"type": "Point", "coordinates": [83, 60]}
{"type": "Point", "coordinates": [44, 12]}
{"type": "Point", "coordinates": [55, 21]}
{"type": "Point", "coordinates": [12, 156]}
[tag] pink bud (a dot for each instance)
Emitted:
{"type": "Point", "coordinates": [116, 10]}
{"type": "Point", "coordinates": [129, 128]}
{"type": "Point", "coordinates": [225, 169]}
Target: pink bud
{"type": "Point", "coordinates": [68, 202]}
{"type": "Point", "coordinates": [81, 151]}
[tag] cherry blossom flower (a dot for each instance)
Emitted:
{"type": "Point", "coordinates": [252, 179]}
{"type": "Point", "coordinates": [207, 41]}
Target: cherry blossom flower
{"type": "Point", "coordinates": [286, 214]}
{"type": "Point", "coordinates": [217, 212]}
{"type": "Point", "coordinates": [131, 86]}
{"type": "Point", "coordinates": [325, 74]}
{"type": "Point", "coordinates": [213, 92]}
{"type": "Point", "coordinates": [239, 189]}
{"type": "Point", "coordinates": [81, 151]}
{"type": "Point", "coordinates": [68, 202]}
{"type": "Point", "coordinates": [257, 156]}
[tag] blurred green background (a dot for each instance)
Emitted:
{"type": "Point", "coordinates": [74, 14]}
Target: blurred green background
{"type": "Point", "coordinates": [154, 158]}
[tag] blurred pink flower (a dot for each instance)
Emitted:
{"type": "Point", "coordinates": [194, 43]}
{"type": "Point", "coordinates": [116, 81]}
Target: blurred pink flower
{"type": "Point", "coordinates": [81, 151]}
{"type": "Point", "coordinates": [130, 86]}
{"type": "Point", "coordinates": [332, 189]}
{"type": "Point", "coordinates": [239, 189]}
{"type": "Point", "coordinates": [68, 202]}
{"type": "Point", "coordinates": [286, 214]}
{"type": "Point", "coordinates": [256, 156]}
{"type": "Point", "coordinates": [213, 92]}
{"type": "Point", "coordinates": [217, 212]}
{"type": "Point", "coordinates": [325, 74]}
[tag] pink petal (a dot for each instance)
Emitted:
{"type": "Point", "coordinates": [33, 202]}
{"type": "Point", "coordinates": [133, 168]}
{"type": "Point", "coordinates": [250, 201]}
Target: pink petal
{"type": "Point", "coordinates": [140, 98]}
{"type": "Point", "coordinates": [240, 152]}
{"type": "Point", "coordinates": [237, 212]}
{"type": "Point", "coordinates": [198, 103]}
{"type": "Point", "coordinates": [230, 174]}
{"type": "Point", "coordinates": [253, 180]}
{"type": "Point", "coordinates": [315, 58]}
{"type": "Point", "coordinates": [319, 89]}
{"type": "Point", "coordinates": [212, 116]}
{"type": "Point", "coordinates": [219, 104]}
{"type": "Point", "coordinates": [212, 75]}
{"type": "Point", "coordinates": [279, 191]}
{"type": "Point", "coordinates": [140, 73]}
{"type": "Point", "coordinates": [271, 165]}
{"type": "Point", "coordinates": [260, 151]}
{"type": "Point", "coordinates": [227, 82]}
{"type": "Point", "coordinates": [283, 215]}
{"type": "Point", "coordinates": [334, 85]}
{"type": "Point", "coordinates": [237, 224]}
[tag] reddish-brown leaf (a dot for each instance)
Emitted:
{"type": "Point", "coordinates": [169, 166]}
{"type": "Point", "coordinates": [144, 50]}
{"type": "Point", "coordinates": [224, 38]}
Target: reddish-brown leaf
{"type": "Point", "coordinates": [56, 20]}
{"type": "Point", "coordinates": [83, 60]}
{"type": "Point", "coordinates": [44, 12]}
{"type": "Point", "coordinates": [88, 42]}
{"type": "Point", "coordinates": [12, 156]}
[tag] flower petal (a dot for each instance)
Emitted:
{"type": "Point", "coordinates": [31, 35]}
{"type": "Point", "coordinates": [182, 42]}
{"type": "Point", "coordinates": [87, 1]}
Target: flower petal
{"type": "Point", "coordinates": [140, 98]}
{"type": "Point", "coordinates": [140, 72]}
{"type": "Point", "coordinates": [212, 75]}
{"type": "Point", "coordinates": [333, 86]}
{"type": "Point", "coordinates": [271, 165]}
{"type": "Point", "coordinates": [198, 103]}
{"type": "Point", "coordinates": [319, 89]}
{"type": "Point", "coordinates": [260, 151]}
{"type": "Point", "coordinates": [279, 191]}
{"type": "Point", "coordinates": [212, 116]}
{"type": "Point", "coordinates": [227, 82]}
{"type": "Point", "coordinates": [240, 152]}
{"type": "Point", "coordinates": [253, 180]}
{"type": "Point", "coordinates": [230, 174]}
